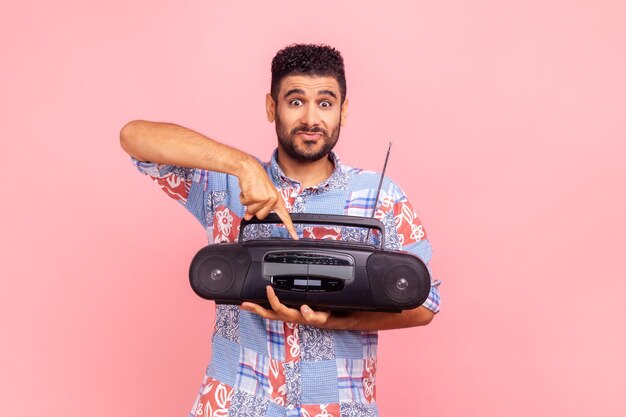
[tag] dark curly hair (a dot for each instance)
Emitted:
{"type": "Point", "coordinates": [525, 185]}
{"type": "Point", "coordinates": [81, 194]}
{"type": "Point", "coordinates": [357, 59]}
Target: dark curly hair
{"type": "Point", "coordinates": [308, 59]}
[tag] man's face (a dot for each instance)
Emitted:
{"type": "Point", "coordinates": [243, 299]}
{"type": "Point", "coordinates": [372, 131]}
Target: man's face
{"type": "Point", "coordinates": [308, 116]}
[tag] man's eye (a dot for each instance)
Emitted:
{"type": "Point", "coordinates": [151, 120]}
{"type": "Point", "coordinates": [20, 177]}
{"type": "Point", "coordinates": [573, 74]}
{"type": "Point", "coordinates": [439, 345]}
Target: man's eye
{"type": "Point", "coordinates": [296, 102]}
{"type": "Point", "coordinates": [325, 104]}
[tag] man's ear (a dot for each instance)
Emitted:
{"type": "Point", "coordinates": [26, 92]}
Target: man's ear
{"type": "Point", "coordinates": [344, 112]}
{"type": "Point", "coordinates": [270, 108]}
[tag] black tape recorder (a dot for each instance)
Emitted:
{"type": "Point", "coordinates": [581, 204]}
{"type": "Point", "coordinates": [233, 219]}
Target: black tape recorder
{"type": "Point", "coordinates": [324, 274]}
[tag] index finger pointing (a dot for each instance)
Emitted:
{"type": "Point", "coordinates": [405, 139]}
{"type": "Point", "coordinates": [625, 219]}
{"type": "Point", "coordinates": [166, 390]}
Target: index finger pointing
{"type": "Point", "coordinates": [282, 212]}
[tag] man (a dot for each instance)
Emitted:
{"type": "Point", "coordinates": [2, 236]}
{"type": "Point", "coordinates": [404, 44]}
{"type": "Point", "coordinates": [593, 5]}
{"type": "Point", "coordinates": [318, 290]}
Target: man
{"type": "Point", "coordinates": [285, 361]}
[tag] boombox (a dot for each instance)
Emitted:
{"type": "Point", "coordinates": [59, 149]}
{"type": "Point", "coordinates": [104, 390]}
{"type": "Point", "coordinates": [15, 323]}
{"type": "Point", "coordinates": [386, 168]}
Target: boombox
{"type": "Point", "coordinates": [324, 274]}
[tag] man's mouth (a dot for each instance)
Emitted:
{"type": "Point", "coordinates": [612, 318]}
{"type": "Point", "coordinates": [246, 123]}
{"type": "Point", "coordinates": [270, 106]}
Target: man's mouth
{"type": "Point", "coordinates": [310, 135]}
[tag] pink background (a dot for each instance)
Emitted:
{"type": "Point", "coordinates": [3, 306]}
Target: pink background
{"type": "Point", "coordinates": [509, 133]}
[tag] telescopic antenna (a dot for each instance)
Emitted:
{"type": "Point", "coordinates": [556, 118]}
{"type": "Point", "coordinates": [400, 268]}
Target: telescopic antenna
{"type": "Point", "coordinates": [380, 184]}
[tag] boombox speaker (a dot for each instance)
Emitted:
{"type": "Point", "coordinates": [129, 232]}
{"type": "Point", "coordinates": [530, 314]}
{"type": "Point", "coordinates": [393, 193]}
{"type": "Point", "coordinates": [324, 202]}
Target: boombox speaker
{"type": "Point", "coordinates": [324, 274]}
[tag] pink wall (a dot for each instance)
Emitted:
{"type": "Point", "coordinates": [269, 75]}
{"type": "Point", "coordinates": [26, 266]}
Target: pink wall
{"type": "Point", "coordinates": [508, 127]}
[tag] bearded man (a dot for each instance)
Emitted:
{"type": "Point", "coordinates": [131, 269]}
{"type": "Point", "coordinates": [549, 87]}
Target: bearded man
{"type": "Point", "coordinates": [286, 361]}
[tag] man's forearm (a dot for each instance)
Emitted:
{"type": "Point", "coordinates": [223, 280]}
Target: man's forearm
{"type": "Point", "coordinates": [170, 144]}
{"type": "Point", "coordinates": [370, 320]}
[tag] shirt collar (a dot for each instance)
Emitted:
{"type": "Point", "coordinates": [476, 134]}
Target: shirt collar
{"type": "Point", "coordinates": [337, 179]}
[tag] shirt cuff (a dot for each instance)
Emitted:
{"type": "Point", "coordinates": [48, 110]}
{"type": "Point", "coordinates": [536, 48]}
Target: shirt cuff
{"type": "Point", "coordinates": [152, 168]}
{"type": "Point", "coordinates": [434, 298]}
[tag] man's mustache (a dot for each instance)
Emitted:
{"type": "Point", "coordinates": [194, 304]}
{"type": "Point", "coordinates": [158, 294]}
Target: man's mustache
{"type": "Point", "coordinates": [306, 129]}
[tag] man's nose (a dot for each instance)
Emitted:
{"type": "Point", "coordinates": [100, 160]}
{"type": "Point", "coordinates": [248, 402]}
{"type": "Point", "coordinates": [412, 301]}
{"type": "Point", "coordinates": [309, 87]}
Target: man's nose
{"type": "Point", "coordinates": [311, 116]}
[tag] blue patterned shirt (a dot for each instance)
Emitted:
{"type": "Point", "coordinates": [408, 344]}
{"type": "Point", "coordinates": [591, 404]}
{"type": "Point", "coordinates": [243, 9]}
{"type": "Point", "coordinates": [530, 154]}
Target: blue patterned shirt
{"type": "Point", "coordinates": [270, 368]}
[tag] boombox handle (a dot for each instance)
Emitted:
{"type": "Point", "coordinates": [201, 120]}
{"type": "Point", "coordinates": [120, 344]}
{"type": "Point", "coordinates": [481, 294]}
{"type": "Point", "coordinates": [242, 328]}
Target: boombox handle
{"type": "Point", "coordinates": [327, 219]}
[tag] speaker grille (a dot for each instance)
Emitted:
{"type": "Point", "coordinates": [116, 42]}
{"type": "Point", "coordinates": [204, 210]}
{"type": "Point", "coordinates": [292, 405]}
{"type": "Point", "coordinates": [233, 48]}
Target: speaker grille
{"type": "Point", "coordinates": [218, 271]}
{"type": "Point", "coordinates": [216, 275]}
{"type": "Point", "coordinates": [400, 283]}
{"type": "Point", "coordinates": [398, 280]}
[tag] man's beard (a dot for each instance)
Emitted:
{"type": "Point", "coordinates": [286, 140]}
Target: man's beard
{"type": "Point", "coordinates": [305, 153]}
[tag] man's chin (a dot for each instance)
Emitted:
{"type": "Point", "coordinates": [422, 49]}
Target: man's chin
{"type": "Point", "coordinates": [308, 157]}
{"type": "Point", "coordinates": [306, 151]}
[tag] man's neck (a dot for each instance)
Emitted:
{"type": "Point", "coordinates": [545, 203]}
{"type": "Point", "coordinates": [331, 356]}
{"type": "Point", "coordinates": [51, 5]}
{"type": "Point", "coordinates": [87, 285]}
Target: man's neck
{"type": "Point", "coordinates": [308, 174]}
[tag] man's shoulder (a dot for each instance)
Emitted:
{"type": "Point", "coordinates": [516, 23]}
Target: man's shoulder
{"type": "Point", "coordinates": [361, 173]}
{"type": "Point", "coordinates": [369, 178]}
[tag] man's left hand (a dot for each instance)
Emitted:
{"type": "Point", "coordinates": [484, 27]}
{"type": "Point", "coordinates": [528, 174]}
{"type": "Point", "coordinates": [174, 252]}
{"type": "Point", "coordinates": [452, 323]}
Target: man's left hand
{"type": "Point", "coordinates": [281, 312]}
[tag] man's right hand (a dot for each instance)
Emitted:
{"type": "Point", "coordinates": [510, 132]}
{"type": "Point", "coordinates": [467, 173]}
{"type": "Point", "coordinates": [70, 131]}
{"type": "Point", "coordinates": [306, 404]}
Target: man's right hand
{"type": "Point", "coordinates": [260, 196]}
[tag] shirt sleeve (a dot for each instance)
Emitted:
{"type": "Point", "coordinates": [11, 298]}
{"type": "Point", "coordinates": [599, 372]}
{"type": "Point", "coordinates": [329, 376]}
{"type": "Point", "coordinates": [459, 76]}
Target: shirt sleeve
{"type": "Point", "coordinates": [410, 236]}
{"type": "Point", "coordinates": [184, 185]}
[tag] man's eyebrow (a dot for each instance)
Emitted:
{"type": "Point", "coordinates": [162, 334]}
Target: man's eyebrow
{"type": "Point", "coordinates": [319, 93]}
{"type": "Point", "coordinates": [327, 92]}
{"type": "Point", "coordinates": [294, 91]}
